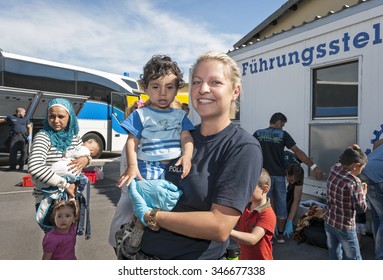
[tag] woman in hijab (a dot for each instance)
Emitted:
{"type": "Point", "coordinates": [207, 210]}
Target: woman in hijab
{"type": "Point", "coordinates": [59, 135]}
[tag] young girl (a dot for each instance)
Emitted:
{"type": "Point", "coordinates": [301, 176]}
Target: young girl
{"type": "Point", "coordinates": [346, 196]}
{"type": "Point", "coordinates": [60, 242]}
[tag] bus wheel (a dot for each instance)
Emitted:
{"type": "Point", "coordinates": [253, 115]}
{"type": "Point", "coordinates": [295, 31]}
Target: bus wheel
{"type": "Point", "coordinates": [94, 137]}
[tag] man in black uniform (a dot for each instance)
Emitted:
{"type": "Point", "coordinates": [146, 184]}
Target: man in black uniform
{"type": "Point", "coordinates": [21, 135]}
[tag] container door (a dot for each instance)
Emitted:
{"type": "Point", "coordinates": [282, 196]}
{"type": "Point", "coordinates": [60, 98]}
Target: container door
{"type": "Point", "coordinates": [10, 100]}
{"type": "Point", "coordinates": [117, 135]}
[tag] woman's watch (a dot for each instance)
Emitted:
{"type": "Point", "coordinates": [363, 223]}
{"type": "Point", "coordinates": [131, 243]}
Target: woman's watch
{"type": "Point", "coordinates": [152, 222]}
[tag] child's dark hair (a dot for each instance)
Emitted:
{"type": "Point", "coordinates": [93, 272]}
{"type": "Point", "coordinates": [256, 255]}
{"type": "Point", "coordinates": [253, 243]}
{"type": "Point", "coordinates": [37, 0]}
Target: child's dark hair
{"type": "Point", "coordinates": [296, 171]}
{"type": "Point", "coordinates": [352, 155]}
{"type": "Point", "coordinates": [58, 204]}
{"type": "Point", "coordinates": [159, 66]}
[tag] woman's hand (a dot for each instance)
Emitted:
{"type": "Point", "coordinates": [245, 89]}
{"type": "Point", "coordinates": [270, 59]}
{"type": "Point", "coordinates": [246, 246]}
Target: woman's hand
{"type": "Point", "coordinates": [160, 194]}
{"type": "Point", "coordinates": [140, 208]}
{"type": "Point", "coordinates": [77, 165]}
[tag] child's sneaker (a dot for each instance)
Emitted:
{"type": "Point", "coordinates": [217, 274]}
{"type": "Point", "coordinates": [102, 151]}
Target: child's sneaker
{"type": "Point", "coordinates": [281, 239]}
{"type": "Point", "coordinates": [131, 244]}
{"type": "Point", "coordinates": [122, 237]}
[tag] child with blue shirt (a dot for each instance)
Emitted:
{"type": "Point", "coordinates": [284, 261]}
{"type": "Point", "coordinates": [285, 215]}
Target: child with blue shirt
{"type": "Point", "coordinates": [158, 134]}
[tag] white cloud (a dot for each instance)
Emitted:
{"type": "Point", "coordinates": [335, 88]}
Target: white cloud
{"type": "Point", "coordinates": [113, 36]}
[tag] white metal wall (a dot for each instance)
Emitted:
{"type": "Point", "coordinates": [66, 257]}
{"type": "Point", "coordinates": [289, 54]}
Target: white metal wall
{"type": "Point", "coordinates": [288, 89]}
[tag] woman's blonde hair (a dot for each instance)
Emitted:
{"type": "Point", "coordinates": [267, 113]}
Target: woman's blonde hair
{"type": "Point", "coordinates": [233, 73]}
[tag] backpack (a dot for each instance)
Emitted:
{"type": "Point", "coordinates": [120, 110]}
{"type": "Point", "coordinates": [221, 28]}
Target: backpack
{"type": "Point", "coordinates": [315, 233]}
{"type": "Point", "coordinates": [50, 195]}
{"type": "Point", "coordinates": [310, 227]}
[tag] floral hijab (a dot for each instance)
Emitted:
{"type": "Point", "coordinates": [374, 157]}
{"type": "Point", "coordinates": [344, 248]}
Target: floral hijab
{"type": "Point", "coordinates": [62, 139]}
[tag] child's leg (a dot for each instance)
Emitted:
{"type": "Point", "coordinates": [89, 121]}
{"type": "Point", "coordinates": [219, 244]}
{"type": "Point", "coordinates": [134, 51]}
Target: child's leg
{"type": "Point", "coordinates": [131, 247]}
{"type": "Point", "coordinates": [135, 238]}
{"type": "Point", "coordinates": [361, 220]}
{"type": "Point", "coordinates": [152, 170]}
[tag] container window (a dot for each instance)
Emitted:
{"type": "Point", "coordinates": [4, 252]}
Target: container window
{"type": "Point", "coordinates": [335, 91]}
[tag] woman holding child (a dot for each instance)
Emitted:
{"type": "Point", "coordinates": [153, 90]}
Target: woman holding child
{"type": "Point", "coordinates": [226, 165]}
{"type": "Point", "coordinates": [59, 135]}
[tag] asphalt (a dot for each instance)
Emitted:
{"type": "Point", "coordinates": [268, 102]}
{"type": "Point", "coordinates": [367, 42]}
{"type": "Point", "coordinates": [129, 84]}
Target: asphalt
{"type": "Point", "coordinates": [20, 236]}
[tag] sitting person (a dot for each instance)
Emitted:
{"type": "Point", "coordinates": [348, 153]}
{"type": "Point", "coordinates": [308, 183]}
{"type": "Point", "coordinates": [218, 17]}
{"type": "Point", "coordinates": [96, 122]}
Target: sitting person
{"type": "Point", "coordinates": [256, 225]}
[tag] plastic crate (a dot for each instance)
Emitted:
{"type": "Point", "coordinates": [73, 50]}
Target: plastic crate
{"type": "Point", "coordinates": [27, 182]}
{"type": "Point", "coordinates": [91, 175]}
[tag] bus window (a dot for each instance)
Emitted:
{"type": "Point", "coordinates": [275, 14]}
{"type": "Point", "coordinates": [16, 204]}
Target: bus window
{"type": "Point", "coordinates": [131, 83]}
{"type": "Point", "coordinates": [23, 74]}
{"type": "Point", "coordinates": [98, 88]}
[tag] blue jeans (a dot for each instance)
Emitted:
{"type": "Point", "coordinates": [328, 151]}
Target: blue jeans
{"type": "Point", "coordinates": [277, 195]}
{"type": "Point", "coordinates": [342, 244]}
{"type": "Point", "coordinates": [375, 199]}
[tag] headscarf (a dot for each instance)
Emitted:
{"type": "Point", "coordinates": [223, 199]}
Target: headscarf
{"type": "Point", "coordinates": [61, 139]}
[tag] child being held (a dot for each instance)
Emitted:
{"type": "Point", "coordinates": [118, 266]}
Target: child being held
{"type": "Point", "coordinates": [89, 148]}
{"type": "Point", "coordinates": [255, 227]}
{"type": "Point", "coordinates": [60, 242]}
{"type": "Point", "coordinates": [158, 133]}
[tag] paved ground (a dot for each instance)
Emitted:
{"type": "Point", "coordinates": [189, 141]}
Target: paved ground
{"type": "Point", "coordinates": [20, 237]}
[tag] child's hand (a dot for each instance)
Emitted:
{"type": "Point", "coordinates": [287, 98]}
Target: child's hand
{"type": "Point", "coordinates": [185, 162]}
{"type": "Point", "coordinates": [364, 188]}
{"type": "Point", "coordinates": [129, 175]}
{"type": "Point", "coordinates": [71, 191]}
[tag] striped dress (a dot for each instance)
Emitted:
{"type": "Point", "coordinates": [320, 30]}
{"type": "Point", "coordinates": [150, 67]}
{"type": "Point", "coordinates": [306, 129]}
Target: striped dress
{"type": "Point", "coordinates": [42, 156]}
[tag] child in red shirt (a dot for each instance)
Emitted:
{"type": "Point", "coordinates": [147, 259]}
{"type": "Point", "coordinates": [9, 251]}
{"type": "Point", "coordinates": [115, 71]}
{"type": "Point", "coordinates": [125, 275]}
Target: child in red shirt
{"type": "Point", "coordinates": [255, 227]}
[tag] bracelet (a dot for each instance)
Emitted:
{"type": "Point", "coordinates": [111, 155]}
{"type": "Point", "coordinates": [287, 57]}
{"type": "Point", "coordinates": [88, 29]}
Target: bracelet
{"type": "Point", "coordinates": [312, 167]}
{"type": "Point", "coordinates": [152, 223]}
{"type": "Point", "coordinates": [89, 160]}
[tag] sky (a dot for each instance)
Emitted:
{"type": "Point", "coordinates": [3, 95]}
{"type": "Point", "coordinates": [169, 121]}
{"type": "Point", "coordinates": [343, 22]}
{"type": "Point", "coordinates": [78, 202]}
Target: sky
{"type": "Point", "coordinates": [120, 36]}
